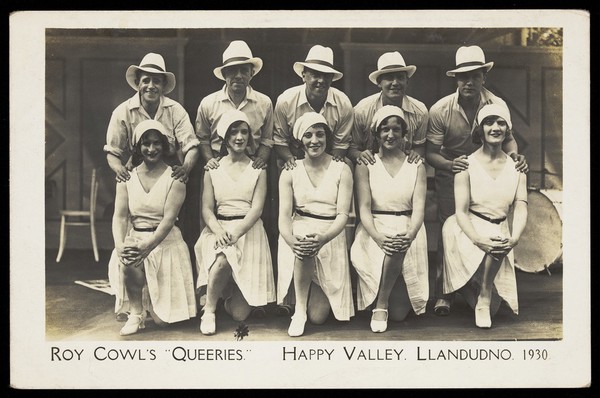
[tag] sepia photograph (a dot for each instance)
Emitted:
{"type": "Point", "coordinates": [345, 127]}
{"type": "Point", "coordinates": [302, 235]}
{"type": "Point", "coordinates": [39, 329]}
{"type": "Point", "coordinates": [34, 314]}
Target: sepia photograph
{"type": "Point", "coordinates": [302, 198]}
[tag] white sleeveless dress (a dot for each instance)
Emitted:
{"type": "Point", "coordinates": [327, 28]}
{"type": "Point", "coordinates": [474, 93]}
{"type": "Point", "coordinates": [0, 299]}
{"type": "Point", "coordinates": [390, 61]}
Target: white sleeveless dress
{"type": "Point", "coordinates": [491, 197]}
{"type": "Point", "coordinates": [250, 257]}
{"type": "Point", "coordinates": [332, 271]}
{"type": "Point", "coordinates": [169, 289]}
{"type": "Point", "coordinates": [391, 194]}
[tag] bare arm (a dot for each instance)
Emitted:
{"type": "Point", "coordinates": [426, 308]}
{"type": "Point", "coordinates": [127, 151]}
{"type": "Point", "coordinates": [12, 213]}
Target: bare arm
{"type": "Point", "coordinates": [120, 217]}
{"type": "Point", "coordinates": [114, 162]}
{"type": "Point", "coordinates": [284, 153]}
{"type": "Point", "coordinates": [437, 161]}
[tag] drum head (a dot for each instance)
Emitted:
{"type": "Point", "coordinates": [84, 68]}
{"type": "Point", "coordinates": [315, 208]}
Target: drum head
{"type": "Point", "coordinates": [541, 242]}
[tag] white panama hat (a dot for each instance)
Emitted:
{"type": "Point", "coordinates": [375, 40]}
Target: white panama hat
{"type": "Point", "coordinates": [238, 53]}
{"type": "Point", "coordinates": [469, 58]}
{"type": "Point", "coordinates": [391, 62]}
{"type": "Point", "coordinates": [151, 63]}
{"type": "Point", "coordinates": [320, 59]}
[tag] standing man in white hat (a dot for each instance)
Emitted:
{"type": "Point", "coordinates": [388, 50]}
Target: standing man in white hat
{"type": "Point", "coordinates": [238, 69]}
{"type": "Point", "coordinates": [392, 76]}
{"type": "Point", "coordinates": [450, 141]}
{"type": "Point", "coordinates": [152, 82]}
{"type": "Point", "coordinates": [315, 95]}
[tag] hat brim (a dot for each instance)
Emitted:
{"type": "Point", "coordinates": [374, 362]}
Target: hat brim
{"type": "Point", "coordinates": [453, 72]}
{"type": "Point", "coordinates": [256, 62]}
{"type": "Point", "coordinates": [299, 68]}
{"type": "Point", "coordinates": [410, 70]}
{"type": "Point", "coordinates": [130, 76]}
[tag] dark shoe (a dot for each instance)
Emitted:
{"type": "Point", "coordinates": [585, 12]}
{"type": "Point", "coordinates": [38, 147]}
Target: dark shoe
{"type": "Point", "coordinates": [442, 307]}
{"type": "Point", "coordinates": [258, 312]}
{"type": "Point", "coordinates": [284, 310]}
{"type": "Point", "coordinates": [122, 316]}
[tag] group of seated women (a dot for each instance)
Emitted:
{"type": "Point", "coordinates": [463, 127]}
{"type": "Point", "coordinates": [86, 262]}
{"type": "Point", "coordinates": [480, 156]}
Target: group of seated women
{"type": "Point", "coordinates": [151, 271]}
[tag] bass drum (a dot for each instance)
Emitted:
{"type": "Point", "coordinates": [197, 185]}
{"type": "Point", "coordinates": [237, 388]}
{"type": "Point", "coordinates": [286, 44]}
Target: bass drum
{"type": "Point", "coordinates": [540, 245]}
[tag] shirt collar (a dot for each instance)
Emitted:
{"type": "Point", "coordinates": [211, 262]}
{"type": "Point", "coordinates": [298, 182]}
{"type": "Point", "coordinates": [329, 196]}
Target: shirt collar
{"type": "Point", "coordinates": [223, 96]}
{"type": "Point", "coordinates": [407, 105]}
{"type": "Point", "coordinates": [135, 102]}
{"type": "Point", "coordinates": [304, 100]}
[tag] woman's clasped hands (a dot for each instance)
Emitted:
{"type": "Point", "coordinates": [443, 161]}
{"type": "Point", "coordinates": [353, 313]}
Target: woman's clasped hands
{"type": "Point", "coordinates": [496, 246]}
{"type": "Point", "coordinates": [393, 244]}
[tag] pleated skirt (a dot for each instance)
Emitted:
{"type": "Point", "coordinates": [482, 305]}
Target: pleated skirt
{"type": "Point", "coordinates": [367, 259]}
{"type": "Point", "coordinates": [169, 288]}
{"type": "Point", "coordinates": [332, 270]}
{"type": "Point", "coordinates": [462, 259]}
{"type": "Point", "coordinates": [250, 260]}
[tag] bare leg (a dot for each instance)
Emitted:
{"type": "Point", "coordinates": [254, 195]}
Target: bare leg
{"type": "Point", "coordinates": [134, 279]}
{"type": "Point", "coordinates": [218, 277]}
{"type": "Point", "coordinates": [399, 302]}
{"type": "Point", "coordinates": [482, 309]}
{"type": "Point", "coordinates": [318, 305]}
{"type": "Point", "coordinates": [392, 268]}
{"type": "Point", "coordinates": [303, 271]}
{"type": "Point", "coordinates": [237, 306]}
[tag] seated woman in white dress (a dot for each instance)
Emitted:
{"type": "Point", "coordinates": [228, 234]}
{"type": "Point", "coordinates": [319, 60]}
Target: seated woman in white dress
{"type": "Point", "coordinates": [314, 201]}
{"type": "Point", "coordinates": [389, 252]}
{"type": "Point", "coordinates": [233, 258]}
{"type": "Point", "coordinates": [478, 256]}
{"type": "Point", "coordinates": [150, 268]}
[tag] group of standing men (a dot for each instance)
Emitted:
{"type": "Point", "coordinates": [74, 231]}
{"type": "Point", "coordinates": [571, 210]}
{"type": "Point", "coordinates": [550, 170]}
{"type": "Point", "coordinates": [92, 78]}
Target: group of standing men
{"type": "Point", "coordinates": [442, 135]}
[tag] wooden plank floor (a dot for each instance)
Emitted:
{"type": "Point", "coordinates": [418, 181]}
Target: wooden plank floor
{"type": "Point", "coordinates": [76, 313]}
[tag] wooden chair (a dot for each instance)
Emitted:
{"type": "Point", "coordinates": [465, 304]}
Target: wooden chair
{"type": "Point", "coordinates": [83, 218]}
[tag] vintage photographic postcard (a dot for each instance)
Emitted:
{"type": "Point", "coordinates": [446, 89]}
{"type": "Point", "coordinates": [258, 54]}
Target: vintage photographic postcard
{"type": "Point", "coordinates": [67, 74]}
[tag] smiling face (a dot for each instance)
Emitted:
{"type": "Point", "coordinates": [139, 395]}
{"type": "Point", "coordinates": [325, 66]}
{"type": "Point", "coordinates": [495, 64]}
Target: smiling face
{"type": "Point", "coordinates": [494, 129]}
{"type": "Point", "coordinates": [391, 132]}
{"type": "Point", "coordinates": [470, 83]}
{"type": "Point", "coordinates": [315, 140]}
{"type": "Point", "coordinates": [237, 77]}
{"type": "Point", "coordinates": [151, 146]}
{"type": "Point", "coordinates": [150, 86]}
{"type": "Point", "coordinates": [317, 83]}
{"type": "Point", "coordinates": [238, 136]}
{"type": "Point", "coordinates": [393, 87]}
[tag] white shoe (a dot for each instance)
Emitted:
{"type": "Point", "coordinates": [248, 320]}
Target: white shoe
{"type": "Point", "coordinates": [134, 323]}
{"type": "Point", "coordinates": [379, 326]}
{"type": "Point", "coordinates": [296, 328]}
{"type": "Point", "coordinates": [208, 323]}
{"type": "Point", "coordinates": [483, 318]}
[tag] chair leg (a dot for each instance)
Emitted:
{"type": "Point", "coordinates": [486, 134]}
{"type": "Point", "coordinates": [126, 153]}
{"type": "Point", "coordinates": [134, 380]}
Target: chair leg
{"type": "Point", "coordinates": [94, 242]}
{"type": "Point", "coordinates": [63, 239]}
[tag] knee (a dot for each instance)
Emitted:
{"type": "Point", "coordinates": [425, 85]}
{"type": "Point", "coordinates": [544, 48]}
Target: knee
{"type": "Point", "coordinates": [240, 314]}
{"type": "Point", "coordinates": [318, 317]}
{"type": "Point", "coordinates": [397, 314]}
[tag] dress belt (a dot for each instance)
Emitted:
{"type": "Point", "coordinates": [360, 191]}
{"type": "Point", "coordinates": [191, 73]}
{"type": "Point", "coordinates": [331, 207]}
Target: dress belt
{"type": "Point", "coordinates": [393, 213]}
{"type": "Point", "coordinates": [492, 220]}
{"type": "Point", "coordinates": [317, 216]}
{"type": "Point", "coordinates": [229, 218]}
{"type": "Point", "coordinates": [149, 229]}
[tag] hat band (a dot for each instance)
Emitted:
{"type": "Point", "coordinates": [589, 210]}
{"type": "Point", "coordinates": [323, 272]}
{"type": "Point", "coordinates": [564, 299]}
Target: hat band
{"type": "Point", "coordinates": [318, 62]}
{"type": "Point", "coordinates": [152, 66]}
{"type": "Point", "coordinates": [393, 67]}
{"type": "Point", "coordinates": [473, 63]}
{"type": "Point", "coordinates": [235, 59]}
